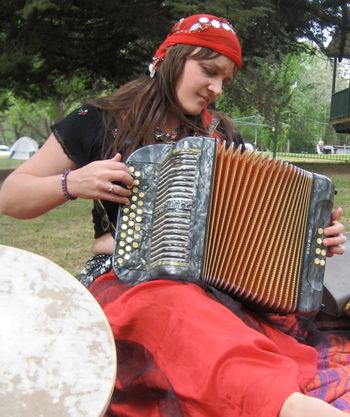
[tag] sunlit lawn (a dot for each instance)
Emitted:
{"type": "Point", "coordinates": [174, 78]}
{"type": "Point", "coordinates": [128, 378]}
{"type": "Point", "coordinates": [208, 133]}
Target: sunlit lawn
{"type": "Point", "coordinates": [63, 235]}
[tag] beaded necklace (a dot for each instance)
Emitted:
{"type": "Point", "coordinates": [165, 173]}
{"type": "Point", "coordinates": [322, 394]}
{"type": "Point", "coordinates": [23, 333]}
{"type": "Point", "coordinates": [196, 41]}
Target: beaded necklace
{"type": "Point", "coordinates": [168, 137]}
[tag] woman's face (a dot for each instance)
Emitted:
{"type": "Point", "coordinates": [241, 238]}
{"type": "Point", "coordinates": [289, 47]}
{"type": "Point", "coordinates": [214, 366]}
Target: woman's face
{"type": "Point", "coordinates": [202, 81]}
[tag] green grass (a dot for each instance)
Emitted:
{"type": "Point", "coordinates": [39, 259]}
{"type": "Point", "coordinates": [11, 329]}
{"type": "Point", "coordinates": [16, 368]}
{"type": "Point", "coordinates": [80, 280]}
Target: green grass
{"type": "Point", "coordinates": [65, 235]}
{"type": "Point", "coordinates": [340, 175]}
{"type": "Point", "coordinates": [9, 163]}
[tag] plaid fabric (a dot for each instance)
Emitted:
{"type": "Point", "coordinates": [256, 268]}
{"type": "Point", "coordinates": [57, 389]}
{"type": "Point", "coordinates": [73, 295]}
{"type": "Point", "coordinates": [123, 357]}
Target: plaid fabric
{"type": "Point", "coordinates": [332, 380]}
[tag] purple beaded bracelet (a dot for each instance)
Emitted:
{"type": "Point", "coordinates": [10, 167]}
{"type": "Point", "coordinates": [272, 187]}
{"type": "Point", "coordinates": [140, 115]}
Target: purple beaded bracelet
{"type": "Point", "coordinates": [64, 185]}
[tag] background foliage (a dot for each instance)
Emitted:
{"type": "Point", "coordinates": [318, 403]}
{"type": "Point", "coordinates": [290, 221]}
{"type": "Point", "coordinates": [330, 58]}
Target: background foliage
{"type": "Point", "coordinates": [56, 54]}
{"type": "Point", "coordinates": [109, 41]}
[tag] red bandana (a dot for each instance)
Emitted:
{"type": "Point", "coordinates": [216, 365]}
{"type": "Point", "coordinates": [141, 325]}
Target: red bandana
{"type": "Point", "coordinates": [203, 30]}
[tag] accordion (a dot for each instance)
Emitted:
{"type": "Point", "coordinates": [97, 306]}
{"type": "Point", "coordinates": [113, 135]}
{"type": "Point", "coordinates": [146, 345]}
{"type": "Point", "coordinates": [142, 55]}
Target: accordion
{"type": "Point", "coordinates": [241, 222]}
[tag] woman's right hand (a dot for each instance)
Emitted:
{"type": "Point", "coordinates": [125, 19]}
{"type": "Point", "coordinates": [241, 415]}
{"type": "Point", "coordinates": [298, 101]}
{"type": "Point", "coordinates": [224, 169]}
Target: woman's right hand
{"type": "Point", "coordinates": [106, 180]}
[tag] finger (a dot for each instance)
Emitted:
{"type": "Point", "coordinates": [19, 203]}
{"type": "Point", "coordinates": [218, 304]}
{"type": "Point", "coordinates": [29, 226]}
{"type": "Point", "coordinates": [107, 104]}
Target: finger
{"type": "Point", "coordinates": [118, 199]}
{"type": "Point", "coordinates": [115, 165]}
{"type": "Point", "coordinates": [116, 194]}
{"type": "Point", "coordinates": [117, 157]}
{"type": "Point", "coordinates": [121, 177]}
{"type": "Point", "coordinates": [334, 230]}
{"type": "Point", "coordinates": [336, 215]}
{"type": "Point", "coordinates": [119, 190]}
{"type": "Point", "coordinates": [335, 240]}
{"type": "Point", "coordinates": [336, 250]}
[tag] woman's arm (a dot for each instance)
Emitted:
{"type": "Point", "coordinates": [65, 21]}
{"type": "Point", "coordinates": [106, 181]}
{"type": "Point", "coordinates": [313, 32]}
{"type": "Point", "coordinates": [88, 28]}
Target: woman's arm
{"type": "Point", "coordinates": [36, 186]}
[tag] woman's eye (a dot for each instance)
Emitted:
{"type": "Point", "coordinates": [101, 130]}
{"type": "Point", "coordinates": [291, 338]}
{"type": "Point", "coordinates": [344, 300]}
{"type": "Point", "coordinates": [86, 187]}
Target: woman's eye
{"type": "Point", "coordinates": [208, 71]}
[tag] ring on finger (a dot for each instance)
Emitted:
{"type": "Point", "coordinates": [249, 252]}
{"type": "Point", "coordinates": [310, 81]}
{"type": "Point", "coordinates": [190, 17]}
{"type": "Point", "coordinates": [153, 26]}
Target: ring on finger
{"type": "Point", "coordinates": [110, 189]}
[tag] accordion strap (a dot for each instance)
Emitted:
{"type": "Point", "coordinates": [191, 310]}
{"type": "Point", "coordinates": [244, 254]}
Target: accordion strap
{"type": "Point", "coordinates": [213, 126]}
{"type": "Point", "coordinates": [106, 224]}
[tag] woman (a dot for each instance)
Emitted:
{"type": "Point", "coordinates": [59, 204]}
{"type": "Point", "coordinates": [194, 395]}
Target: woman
{"type": "Point", "coordinates": [173, 358]}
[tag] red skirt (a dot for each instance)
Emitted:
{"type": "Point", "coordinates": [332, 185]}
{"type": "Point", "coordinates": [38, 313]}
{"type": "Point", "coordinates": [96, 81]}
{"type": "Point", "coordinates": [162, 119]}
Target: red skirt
{"type": "Point", "coordinates": [181, 352]}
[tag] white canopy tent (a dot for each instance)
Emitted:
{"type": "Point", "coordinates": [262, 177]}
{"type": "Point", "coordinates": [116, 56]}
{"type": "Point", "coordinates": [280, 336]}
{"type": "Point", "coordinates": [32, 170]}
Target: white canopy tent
{"type": "Point", "coordinates": [23, 148]}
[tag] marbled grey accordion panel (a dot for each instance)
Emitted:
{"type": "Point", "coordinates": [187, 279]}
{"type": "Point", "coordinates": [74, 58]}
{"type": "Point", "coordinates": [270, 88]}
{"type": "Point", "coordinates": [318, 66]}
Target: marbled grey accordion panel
{"type": "Point", "coordinates": [314, 254]}
{"type": "Point", "coordinates": [162, 232]}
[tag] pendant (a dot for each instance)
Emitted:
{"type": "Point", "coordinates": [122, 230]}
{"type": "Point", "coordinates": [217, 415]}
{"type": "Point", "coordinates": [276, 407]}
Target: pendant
{"type": "Point", "coordinates": [165, 137]}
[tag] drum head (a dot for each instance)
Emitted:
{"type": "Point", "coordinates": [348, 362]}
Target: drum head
{"type": "Point", "coordinates": [57, 351]}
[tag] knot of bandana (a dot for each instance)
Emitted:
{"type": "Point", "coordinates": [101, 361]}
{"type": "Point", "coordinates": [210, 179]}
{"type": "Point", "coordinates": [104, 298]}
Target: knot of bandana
{"type": "Point", "coordinates": [203, 30]}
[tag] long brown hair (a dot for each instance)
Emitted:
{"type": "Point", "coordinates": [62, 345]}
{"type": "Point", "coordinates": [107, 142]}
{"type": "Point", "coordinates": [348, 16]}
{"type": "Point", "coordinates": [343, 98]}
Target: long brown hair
{"type": "Point", "coordinates": [141, 105]}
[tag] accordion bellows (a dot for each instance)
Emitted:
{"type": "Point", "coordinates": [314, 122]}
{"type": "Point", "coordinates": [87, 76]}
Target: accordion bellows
{"type": "Point", "coordinates": [244, 223]}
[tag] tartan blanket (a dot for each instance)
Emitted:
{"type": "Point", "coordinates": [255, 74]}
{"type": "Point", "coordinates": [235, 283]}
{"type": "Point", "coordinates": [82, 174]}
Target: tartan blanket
{"type": "Point", "coordinates": [332, 380]}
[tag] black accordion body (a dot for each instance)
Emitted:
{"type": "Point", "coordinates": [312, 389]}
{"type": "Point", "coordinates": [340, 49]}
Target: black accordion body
{"type": "Point", "coordinates": [244, 223]}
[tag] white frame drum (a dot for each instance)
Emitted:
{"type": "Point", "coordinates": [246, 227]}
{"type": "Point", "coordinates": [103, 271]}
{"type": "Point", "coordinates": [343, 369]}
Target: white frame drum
{"type": "Point", "coordinates": [57, 351]}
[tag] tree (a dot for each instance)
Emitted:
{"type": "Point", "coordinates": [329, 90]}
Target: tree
{"type": "Point", "coordinates": [110, 41]}
{"type": "Point", "coordinates": [291, 98]}
{"type": "Point", "coordinates": [26, 118]}
{"type": "Point", "coordinates": [105, 42]}
{"type": "Point", "coordinates": [267, 90]}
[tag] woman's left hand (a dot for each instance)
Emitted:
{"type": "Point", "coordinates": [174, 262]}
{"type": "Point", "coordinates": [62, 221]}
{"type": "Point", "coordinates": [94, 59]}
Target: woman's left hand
{"type": "Point", "coordinates": [334, 235]}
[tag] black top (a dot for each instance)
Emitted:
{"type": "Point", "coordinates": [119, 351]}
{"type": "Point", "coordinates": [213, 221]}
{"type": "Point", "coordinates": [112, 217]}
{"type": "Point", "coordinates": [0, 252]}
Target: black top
{"type": "Point", "coordinates": [81, 135]}
{"type": "Point", "coordinates": [83, 139]}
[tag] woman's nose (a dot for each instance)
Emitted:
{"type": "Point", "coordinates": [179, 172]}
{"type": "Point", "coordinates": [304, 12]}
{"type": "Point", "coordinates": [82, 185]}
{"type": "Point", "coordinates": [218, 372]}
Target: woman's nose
{"type": "Point", "coordinates": [216, 87]}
